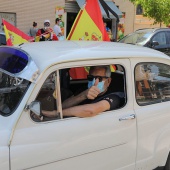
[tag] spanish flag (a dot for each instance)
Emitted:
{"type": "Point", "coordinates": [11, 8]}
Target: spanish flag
{"type": "Point", "coordinates": [89, 24]}
{"type": "Point", "coordinates": [14, 36]}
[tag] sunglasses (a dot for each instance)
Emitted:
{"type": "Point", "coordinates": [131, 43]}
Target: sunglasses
{"type": "Point", "coordinates": [91, 77]}
{"type": "Point", "coordinates": [46, 24]}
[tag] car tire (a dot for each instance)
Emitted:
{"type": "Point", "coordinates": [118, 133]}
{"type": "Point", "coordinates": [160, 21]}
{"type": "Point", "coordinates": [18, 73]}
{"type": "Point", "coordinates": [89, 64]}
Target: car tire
{"type": "Point", "coordinates": [167, 166]}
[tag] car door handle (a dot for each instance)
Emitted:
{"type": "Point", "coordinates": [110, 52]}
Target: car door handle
{"type": "Point", "coordinates": [129, 117]}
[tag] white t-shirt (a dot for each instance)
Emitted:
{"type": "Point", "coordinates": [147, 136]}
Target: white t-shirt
{"type": "Point", "coordinates": [57, 30]}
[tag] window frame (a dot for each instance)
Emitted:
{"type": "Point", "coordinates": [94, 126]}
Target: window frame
{"type": "Point", "coordinates": [73, 64]}
{"type": "Point", "coordinates": [151, 102]}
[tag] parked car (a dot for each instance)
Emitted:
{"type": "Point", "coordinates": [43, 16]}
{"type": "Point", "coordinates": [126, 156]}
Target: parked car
{"type": "Point", "coordinates": [156, 38]}
{"type": "Point", "coordinates": [134, 136]}
{"type": "Point", "coordinates": [2, 38]}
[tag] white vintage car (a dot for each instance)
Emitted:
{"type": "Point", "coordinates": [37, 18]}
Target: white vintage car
{"type": "Point", "coordinates": [135, 136]}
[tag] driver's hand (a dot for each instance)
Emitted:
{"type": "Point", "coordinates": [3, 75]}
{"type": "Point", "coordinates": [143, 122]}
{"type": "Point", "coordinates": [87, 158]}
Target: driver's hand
{"type": "Point", "coordinates": [93, 91]}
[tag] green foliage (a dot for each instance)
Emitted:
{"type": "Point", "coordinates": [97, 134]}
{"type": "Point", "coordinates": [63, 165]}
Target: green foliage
{"type": "Point", "coordinates": [159, 10]}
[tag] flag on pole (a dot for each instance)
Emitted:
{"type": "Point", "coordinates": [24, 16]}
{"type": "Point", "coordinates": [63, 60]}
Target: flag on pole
{"type": "Point", "coordinates": [89, 24]}
{"type": "Point", "coordinates": [14, 36]}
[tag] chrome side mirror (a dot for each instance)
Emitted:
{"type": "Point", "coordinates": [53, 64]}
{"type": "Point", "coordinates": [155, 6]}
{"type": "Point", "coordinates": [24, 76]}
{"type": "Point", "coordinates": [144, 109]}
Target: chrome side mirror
{"type": "Point", "coordinates": [35, 107]}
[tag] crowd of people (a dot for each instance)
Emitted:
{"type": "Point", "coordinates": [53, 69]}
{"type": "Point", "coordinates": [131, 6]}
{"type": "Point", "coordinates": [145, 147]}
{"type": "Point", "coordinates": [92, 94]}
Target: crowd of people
{"type": "Point", "coordinates": [46, 33]}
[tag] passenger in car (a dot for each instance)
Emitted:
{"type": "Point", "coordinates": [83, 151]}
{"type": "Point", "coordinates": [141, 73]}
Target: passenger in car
{"type": "Point", "coordinates": [94, 100]}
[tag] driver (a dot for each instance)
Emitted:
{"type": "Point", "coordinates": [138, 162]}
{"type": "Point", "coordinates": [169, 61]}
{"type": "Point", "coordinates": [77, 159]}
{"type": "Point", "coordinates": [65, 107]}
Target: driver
{"type": "Point", "coordinates": [92, 101]}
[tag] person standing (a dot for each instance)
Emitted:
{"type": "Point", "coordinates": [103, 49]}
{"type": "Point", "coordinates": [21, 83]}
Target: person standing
{"type": "Point", "coordinates": [108, 30]}
{"type": "Point", "coordinates": [33, 30]}
{"type": "Point", "coordinates": [57, 28]}
{"type": "Point", "coordinates": [46, 33]}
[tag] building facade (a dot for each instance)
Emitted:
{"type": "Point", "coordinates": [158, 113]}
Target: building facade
{"type": "Point", "coordinates": [23, 13]}
{"type": "Point", "coordinates": [26, 12]}
{"type": "Point", "coordinates": [133, 17]}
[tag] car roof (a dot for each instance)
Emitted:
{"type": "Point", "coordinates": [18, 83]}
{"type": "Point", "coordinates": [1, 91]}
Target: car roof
{"type": "Point", "coordinates": [48, 53]}
{"type": "Point", "coordinates": [152, 29]}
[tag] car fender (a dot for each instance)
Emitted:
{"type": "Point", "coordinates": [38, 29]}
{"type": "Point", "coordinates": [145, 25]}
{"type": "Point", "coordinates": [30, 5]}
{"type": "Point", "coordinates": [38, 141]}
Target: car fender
{"type": "Point", "coordinates": [162, 147]}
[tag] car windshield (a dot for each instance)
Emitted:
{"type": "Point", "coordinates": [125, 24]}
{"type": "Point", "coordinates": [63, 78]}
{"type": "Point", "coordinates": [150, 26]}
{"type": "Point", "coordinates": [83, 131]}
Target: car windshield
{"type": "Point", "coordinates": [12, 90]}
{"type": "Point", "coordinates": [138, 37]}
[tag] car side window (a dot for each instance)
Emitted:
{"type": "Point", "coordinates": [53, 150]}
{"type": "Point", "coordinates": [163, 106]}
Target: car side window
{"type": "Point", "coordinates": [152, 81]}
{"type": "Point", "coordinates": [77, 81]}
{"type": "Point", "coordinates": [74, 82]}
{"type": "Point", "coordinates": [2, 40]}
{"type": "Point", "coordinates": [160, 38]}
{"type": "Point", "coordinates": [46, 97]}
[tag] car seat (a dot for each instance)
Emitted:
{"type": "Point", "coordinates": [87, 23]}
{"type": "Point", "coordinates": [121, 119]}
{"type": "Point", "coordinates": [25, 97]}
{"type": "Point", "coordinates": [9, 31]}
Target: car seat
{"type": "Point", "coordinates": [117, 86]}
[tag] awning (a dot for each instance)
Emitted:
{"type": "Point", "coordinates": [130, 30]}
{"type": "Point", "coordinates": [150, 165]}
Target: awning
{"type": "Point", "coordinates": [109, 3]}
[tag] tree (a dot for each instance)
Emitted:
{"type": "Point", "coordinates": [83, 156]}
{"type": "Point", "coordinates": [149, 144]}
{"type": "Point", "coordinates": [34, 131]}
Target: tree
{"type": "Point", "coordinates": [159, 10]}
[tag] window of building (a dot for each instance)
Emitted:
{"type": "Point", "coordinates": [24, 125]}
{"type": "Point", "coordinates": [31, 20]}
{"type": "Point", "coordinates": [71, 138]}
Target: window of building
{"type": "Point", "coordinates": [139, 10]}
{"type": "Point", "coordinates": [152, 82]}
{"type": "Point", "coordinates": [9, 17]}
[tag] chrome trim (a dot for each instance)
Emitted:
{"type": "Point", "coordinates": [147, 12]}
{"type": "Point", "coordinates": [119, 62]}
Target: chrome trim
{"type": "Point", "coordinates": [129, 117]}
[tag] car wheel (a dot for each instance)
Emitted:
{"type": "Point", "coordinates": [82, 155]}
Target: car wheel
{"type": "Point", "coordinates": [167, 166]}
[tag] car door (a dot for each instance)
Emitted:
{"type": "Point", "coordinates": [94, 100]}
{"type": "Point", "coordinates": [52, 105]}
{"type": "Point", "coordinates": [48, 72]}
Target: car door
{"type": "Point", "coordinates": [152, 111]}
{"type": "Point", "coordinates": [160, 37]}
{"type": "Point", "coordinates": [106, 141]}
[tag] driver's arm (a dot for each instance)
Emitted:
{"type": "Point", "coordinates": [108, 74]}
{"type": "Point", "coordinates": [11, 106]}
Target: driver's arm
{"type": "Point", "coordinates": [110, 102]}
{"type": "Point", "coordinates": [87, 110]}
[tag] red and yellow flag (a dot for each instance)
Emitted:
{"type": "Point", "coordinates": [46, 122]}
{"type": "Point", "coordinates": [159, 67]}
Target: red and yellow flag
{"type": "Point", "coordinates": [14, 36]}
{"type": "Point", "coordinates": [89, 24]}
